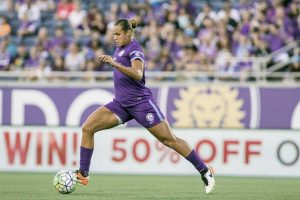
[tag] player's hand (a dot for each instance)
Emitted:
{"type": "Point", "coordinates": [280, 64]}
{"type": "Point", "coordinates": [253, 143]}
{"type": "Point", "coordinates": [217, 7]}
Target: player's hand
{"type": "Point", "coordinates": [107, 59]}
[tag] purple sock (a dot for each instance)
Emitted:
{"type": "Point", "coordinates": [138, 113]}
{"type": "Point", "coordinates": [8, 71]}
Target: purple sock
{"type": "Point", "coordinates": [194, 158]}
{"type": "Point", "coordinates": [85, 159]}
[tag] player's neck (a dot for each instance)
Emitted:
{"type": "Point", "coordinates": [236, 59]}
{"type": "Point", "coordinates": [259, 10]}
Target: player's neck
{"type": "Point", "coordinates": [127, 43]}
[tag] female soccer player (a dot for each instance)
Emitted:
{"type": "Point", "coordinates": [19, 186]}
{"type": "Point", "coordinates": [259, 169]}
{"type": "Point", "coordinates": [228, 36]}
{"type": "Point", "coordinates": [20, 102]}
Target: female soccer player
{"type": "Point", "coordinates": [133, 100]}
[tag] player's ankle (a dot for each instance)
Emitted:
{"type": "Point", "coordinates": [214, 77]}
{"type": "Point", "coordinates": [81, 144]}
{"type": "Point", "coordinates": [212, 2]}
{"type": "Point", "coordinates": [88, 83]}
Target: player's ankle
{"type": "Point", "coordinates": [83, 173]}
{"type": "Point", "coordinates": [203, 171]}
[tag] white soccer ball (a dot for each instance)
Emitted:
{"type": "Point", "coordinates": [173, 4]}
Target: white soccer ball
{"type": "Point", "coordinates": [64, 181]}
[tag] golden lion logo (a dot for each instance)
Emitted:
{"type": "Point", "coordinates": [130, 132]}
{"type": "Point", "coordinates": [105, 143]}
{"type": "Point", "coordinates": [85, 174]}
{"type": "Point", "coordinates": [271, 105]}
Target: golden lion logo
{"type": "Point", "coordinates": [208, 107]}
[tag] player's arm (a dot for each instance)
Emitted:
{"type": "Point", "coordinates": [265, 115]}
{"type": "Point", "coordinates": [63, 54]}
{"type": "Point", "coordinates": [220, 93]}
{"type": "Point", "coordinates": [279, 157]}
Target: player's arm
{"type": "Point", "coordinates": [135, 72]}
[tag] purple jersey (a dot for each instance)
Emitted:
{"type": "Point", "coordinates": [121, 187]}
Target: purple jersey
{"type": "Point", "coordinates": [127, 90]}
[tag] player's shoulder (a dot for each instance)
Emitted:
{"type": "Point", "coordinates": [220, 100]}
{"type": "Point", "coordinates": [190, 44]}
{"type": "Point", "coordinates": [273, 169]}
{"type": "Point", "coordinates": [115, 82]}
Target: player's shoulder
{"type": "Point", "coordinates": [135, 46]}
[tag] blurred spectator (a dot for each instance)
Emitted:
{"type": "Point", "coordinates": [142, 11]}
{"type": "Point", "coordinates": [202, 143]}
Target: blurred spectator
{"type": "Point", "coordinates": [189, 59]}
{"type": "Point", "coordinates": [33, 66]}
{"type": "Point", "coordinates": [223, 58]}
{"type": "Point", "coordinates": [294, 13]}
{"type": "Point", "coordinates": [57, 63]}
{"type": "Point", "coordinates": [4, 58]}
{"type": "Point", "coordinates": [189, 7]}
{"type": "Point", "coordinates": [26, 27]}
{"type": "Point", "coordinates": [166, 61]}
{"type": "Point", "coordinates": [152, 65]}
{"type": "Point", "coordinates": [43, 39]}
{"type": "Point", "coordinates": [276, 41]}
{"type": "Point", "coordinates": [207, 47]}
{"type": "Point", "coordinates": [74, 60]}
{"type": "Point", "coordinates": [10, 47]}
{"type": "Point", "coordinates": [125, 11]}
{"type": "Point", "coordinates": [96, 20]}
{"type": "Point", "coordinates": [260, 48]}
{"type": "Point", "coordinates": [7, 8]}
{"type": "Point", "coordinates": [18, 4]}
{"type": "Point", "coordinates": [171, 18]}
{"type": "Point", "coordinates": [46, 5]}
{"type": "Point", "coordinates": [5, 28]}
{"type": "Point", "coordinates": [20, 59]}
{"type": "Point", "coordinates": [206, 42]}
{"type": "Point", "coordinates": [243, 47]}
{"type": "Point", "coordinates": [63, 9]}
{"type": "Point", "coordinates": [92, 45]}
{"type": "Point", "coordinates": [230, 15]}
{"type": "Point", "coordinates": [228, 12]}
{"type": "Point", "coordinates": [76, 16]}
{"type": "Point", "coordinates": [31, 10]}
{"type": "Point", "coordinates": [206, 13]}
{"type": "Point", "coordinates": [242, 50]}
{"type": "Point", "coordinates": [183, 19]}
{"type": "Point", "coordinates": [29, 16]}
{"type": "Point", "coordinates": [244, 26]}
{"type": "Point", "coordinates": [153, 47]}
{"type": "Point", "coordinates": [59, 42]}
{"type": "Point", "coordinates": [283, 22]}
{"type": "Point", "coordinates": [111, 15]}
{"type": "Point", "coordinates": [90, 68]}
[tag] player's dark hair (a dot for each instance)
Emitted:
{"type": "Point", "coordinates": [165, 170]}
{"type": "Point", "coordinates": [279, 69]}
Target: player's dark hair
{"type": "Point", "coordinates": [126, 24]}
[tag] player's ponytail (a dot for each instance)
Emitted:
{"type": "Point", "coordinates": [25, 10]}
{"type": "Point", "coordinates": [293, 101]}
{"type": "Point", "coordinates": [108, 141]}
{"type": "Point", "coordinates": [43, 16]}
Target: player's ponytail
{"type": "Point", "coordinates": [126, 24]}
{"type": "Point", "coordinates": [133, 23]}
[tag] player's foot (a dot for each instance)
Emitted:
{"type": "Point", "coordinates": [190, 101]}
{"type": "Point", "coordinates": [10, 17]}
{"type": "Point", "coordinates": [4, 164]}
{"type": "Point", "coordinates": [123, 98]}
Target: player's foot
{"type": "Point", "coordinates": [82, 178]}
{"type": "Point", "coordinates": [209, 180]}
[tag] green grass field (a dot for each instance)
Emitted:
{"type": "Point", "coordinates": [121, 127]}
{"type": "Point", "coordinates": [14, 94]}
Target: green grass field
{"type": "Point", "coordinates": [37, 186]}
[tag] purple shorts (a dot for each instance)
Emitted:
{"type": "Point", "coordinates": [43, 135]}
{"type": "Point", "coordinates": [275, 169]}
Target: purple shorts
{"type": "Point", "coordinates": [146, 112]}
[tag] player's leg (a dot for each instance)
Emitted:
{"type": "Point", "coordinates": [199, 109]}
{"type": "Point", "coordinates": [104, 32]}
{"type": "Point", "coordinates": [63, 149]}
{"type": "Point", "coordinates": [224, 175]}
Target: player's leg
{"type": "Point", "coordinates": [148, 114]}
{"type": "Point", "coordinates": [108, 116]}
{"type": "Point", "coordinates": [163, 133]}
{"type": "Point", "coordinates": [100, 119]}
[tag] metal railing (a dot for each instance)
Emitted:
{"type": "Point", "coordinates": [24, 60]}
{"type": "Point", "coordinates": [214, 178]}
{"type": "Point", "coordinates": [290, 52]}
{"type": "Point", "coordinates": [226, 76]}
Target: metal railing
{"type": "Point", "coordinates": [280, 65]}
{"type": "Point", "coordinates": [179, 76]}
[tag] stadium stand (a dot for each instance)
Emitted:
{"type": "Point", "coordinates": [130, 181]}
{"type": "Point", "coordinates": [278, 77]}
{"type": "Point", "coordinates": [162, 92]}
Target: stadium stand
{"type": "Point", "coordinates": [183, 39]}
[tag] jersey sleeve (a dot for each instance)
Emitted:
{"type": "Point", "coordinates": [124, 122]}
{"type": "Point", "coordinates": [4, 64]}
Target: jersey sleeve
{"type": "Point", "coordinates": [136, 53]}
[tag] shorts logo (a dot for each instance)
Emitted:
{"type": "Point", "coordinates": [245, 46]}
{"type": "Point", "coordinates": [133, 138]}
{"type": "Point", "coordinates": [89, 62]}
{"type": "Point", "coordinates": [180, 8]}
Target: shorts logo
{"type": "Point", "coordinates": [150, 118]}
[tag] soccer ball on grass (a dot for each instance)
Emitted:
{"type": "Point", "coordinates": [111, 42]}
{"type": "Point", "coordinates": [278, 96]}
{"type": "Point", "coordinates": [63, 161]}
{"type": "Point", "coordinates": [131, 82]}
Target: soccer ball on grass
{"type": "Point", "coordinates": [64, 181]}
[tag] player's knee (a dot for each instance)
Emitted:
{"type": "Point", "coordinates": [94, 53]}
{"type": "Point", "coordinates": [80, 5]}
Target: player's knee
{"type": "Point", "coordinates": [169, 142]}
{"type": "Point", "coordinates": [87, 129]}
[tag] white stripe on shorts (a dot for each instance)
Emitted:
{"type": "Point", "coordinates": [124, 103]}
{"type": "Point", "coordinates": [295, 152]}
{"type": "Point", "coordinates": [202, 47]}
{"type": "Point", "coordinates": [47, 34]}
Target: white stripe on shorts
{"type": "Point", "coordinates": [156, 110]}
{"type": "Point", "coordinates": [119, 119]}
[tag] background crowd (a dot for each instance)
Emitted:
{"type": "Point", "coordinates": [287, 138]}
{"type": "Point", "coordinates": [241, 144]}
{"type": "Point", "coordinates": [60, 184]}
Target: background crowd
{"type": "Point", "coordinates": [177, 35]}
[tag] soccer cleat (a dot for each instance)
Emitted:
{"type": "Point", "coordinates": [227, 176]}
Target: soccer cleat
{"type": "Point", "coordinates": [81, 177]}
{"type": "Point", "coordinates": [209, 180]}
